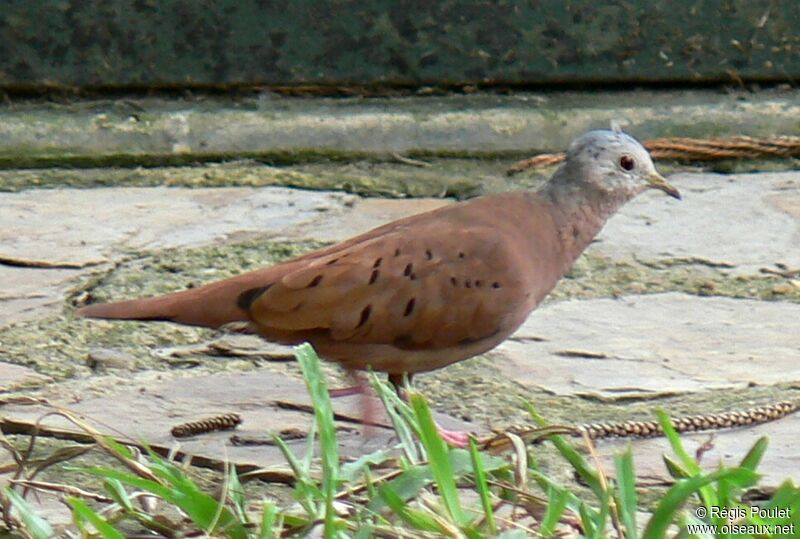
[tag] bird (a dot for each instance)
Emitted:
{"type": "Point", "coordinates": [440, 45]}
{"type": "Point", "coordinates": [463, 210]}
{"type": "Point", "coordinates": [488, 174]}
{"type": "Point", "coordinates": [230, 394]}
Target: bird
{"type": "Point", "coordinates": [430, 289]}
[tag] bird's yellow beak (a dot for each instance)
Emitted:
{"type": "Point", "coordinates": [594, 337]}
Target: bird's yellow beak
{"type": "Point", "coordinates": [657, 181]}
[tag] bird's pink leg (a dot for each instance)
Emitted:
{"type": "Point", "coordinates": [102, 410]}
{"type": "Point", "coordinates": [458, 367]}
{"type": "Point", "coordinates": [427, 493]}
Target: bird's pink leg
{"type": "Point", "coordinates": [361, 388]}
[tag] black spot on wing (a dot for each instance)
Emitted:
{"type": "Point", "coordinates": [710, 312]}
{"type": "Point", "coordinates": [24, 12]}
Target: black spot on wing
{"type": "Point", "coordinates": [364, 316]}
{"type": "Point", "coordinates": [409, 307]}
{"type": "Point", "coordinates": [246, 298]}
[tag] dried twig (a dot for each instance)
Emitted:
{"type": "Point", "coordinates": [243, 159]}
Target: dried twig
{"type": "Point", "coordinates": [612, 503]}
{"type": "Point", "coordinates": [62, 489]}
{"type": "Point", "coordinates": [690, 149]}
{"type": "Point", "coordinates": [409, 161]}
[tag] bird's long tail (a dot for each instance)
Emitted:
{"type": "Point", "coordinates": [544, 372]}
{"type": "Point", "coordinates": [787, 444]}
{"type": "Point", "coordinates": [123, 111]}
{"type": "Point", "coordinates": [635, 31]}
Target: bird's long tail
{"type": "Point", "coordinates": [212, 305]}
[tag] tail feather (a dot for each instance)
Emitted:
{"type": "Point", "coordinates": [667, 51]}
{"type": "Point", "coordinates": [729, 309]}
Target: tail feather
{"type": "Point", "coordinates": [135, 309]}
{"type": "Point", "coordinates": [212, 305]}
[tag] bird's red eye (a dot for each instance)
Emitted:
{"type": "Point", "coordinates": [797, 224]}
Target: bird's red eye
{"type": "Point", "coordinates": [627, 162]}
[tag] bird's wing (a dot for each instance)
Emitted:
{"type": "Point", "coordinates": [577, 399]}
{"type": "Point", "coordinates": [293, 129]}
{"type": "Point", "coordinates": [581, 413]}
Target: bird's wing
{"type": "Point", "coordinates": [430, 288]}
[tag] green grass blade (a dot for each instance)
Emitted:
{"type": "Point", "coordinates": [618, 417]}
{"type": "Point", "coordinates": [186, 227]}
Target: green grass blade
{"type": "Point", "coordinates": [601, 519]}
{"type": "Point", "coordinates": [372, 493]}
{"type": "Point", "coordinates": [557, 502]}
{"type": "Point", "coordinates": [472, 533]}
{"type": "Point", "coordinates": [678, 494]}
{"type": "Point", "coordinates": [461, 461]}
{"type": "Point", "coordinates": [438, 458]}
{"type": "Point", "coordinates": [35, 525]}
{"type": "Point", "coordinates": [121, 450]}
{"type": "Point", "coordinates": [753, 457]}
{"type": "Point", "coordinates": [675, 469]}
{"type": "Point", "coordinates": [725, 492]}
{"type": "Point", "coordinates": [351, 471]}
{"type": "Point", "coordinates": [299, 471]}
{"type": "Point", "coordinates": [707, 493]}
{"type": "Point", "coordinates": [323, 413]}
{"type": "Point", "coordinates": [786, 495]}
{"type": "Point", "coordinates": [787, 500]}
{"type": "Point", "coordinates": [308, 456]}
{"type": "Point", "coordinates": [417, 519]}
{"type": "Point", "coordinates": [117, 491]}
{"type": "Point", "coordinates": [401, 416]}
{"type": "Point", "coordinates": [236, 494]}
{"type": "Point", "coordinates": [587, 520]}
{"type": "Point", "coordinates": [405, 486]}
{"type": "Point", "coordinates": [589, 517]}
{"type": "Point", "coordinates": [268, 514]}
{"type": "Point", "coordinates": [687, 518]}
{"type": "Point", "coordinates": [513, 534]}
{"type": "Point", "coordinates": [674, 440]}
{"type": "Point", "coordinates": [626, 481]}
{"type": "Point", "coordinates": [305, 489]}
{"type": "Point", "coordinates": [201, 508]}
{"type": "Point", "coordinates": [154, 523]}
{"type": "Point", "coordinates": [167, 470]}
{"type": "Point", "coordinates": [209, 514]}
{"type": "Point", "coordinates": [82, 511]}
{"type": "Point", "coordinates": [582, 467]}
{"type": "Point", "coordinates": [157, 489]}
{"type": "Point", "coordinates": [482, 487]}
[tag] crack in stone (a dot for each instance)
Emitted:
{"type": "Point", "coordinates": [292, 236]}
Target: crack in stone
{"type": "Point", "coordinates": [15, 262]}
{"type": "Point", "coordinates": [684, 261]}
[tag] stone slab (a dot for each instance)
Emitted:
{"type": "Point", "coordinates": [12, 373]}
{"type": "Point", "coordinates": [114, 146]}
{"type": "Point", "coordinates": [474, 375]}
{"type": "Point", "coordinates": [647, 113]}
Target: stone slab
{"type": "Point", "coordinates": [652, 345]}
{"type": "Point", "coordinates": [26, 293]}
{"type": "Point", "coordinates": [366, 214]}
{"type": "Point", "coordinates": [16, 376]}
{"type": "Point", "coordinates": [84, 227]}
{"type": "Point", "coordinates": [140, 408]}
{"type": "Point", "coordinates": [744, 222]}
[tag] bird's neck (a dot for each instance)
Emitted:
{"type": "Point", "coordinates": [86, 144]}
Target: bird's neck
{"type": "Point", "coordinates": [580, 212]}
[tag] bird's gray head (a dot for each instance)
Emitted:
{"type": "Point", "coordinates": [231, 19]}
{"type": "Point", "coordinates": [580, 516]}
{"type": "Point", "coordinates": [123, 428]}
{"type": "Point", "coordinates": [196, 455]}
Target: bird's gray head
{"type": "Point", "coordinates": [614, 163]}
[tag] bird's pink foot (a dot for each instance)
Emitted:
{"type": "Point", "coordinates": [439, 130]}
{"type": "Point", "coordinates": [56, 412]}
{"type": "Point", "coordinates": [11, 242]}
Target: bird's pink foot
{"type": "Point", "coordinates": [453, 437]}
{"type": "Point", "coordinates": [345, 391]}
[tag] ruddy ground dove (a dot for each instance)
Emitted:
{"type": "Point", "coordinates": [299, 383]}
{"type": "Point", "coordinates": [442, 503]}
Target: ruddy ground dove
{"type": "Point", "coordinates": [431, 289]}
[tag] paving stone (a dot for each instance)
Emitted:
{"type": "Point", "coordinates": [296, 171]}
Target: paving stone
{"type": "Point", "coordinates": [653, 345]}
{"type": "Point", "coordinates": [85, 227]}
{"type": "Point", "coordinates": [366, 214]}
{"type": "Point", "coordinates": [26, 293]}
{"type": "Point", "coordinates": [745, 222]}
{"type": "Point", "coordinates": [17, 377]}
{"type": "Point", "coordinates": [269, 403]}
{"type": "Point", "coordinates": [48, 236]}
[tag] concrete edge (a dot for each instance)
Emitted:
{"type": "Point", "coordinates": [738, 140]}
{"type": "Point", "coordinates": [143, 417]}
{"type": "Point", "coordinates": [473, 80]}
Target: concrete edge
{"type": "Point", "coordinates": [155, 131]}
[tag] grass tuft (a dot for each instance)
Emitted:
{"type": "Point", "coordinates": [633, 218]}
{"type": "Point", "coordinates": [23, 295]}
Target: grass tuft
{"type": "Point", "coordinates": [419, 488]}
